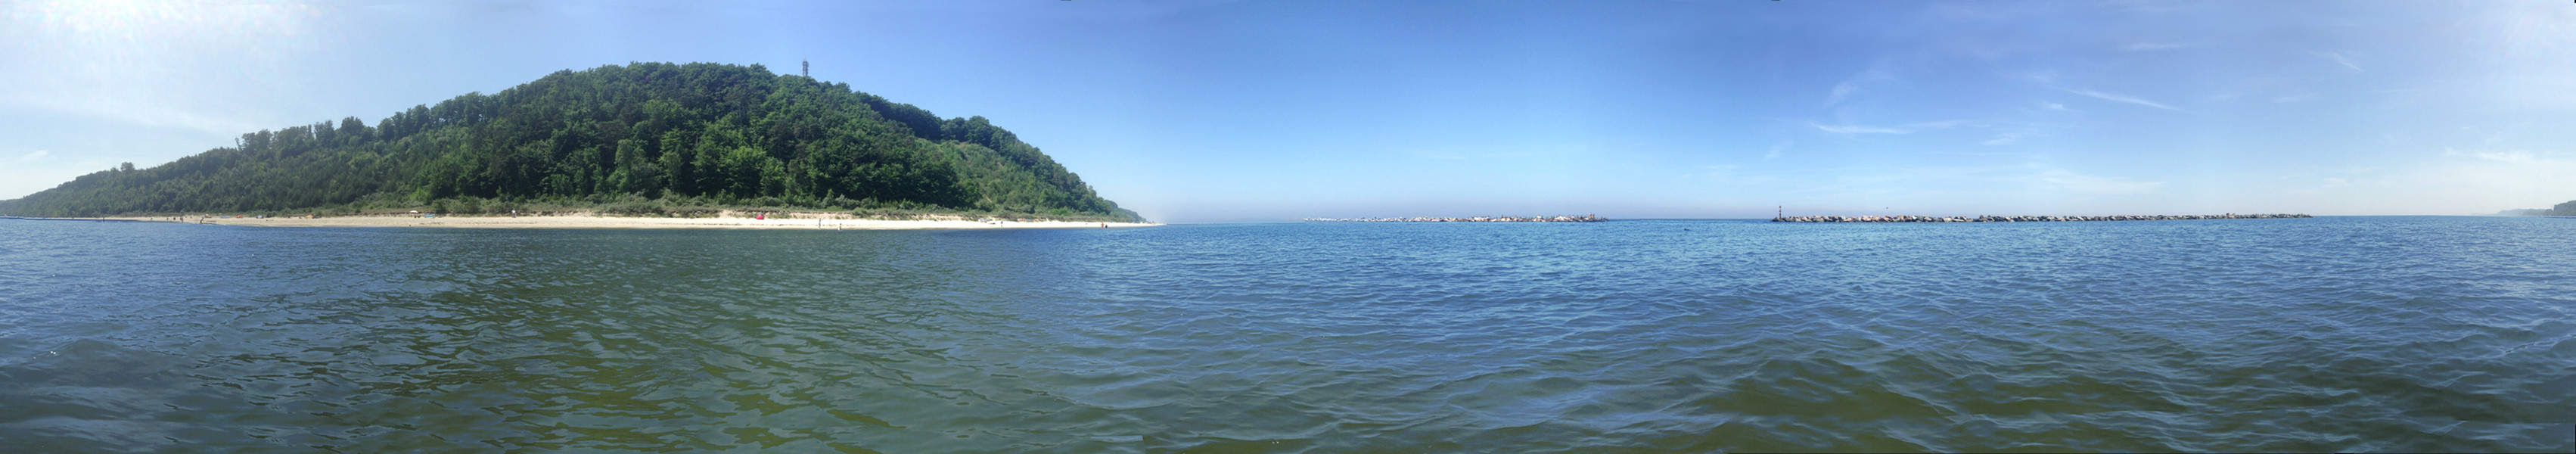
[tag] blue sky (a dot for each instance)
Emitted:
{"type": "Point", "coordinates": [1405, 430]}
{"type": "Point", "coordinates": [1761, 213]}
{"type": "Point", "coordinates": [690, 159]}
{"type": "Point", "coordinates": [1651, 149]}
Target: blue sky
{"type": "Point", "coordinates": [1221, 111]}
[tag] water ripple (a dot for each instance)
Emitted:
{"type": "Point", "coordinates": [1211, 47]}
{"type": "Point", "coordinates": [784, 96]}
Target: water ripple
{"type": "Point", "coordinates": [2328, 334]}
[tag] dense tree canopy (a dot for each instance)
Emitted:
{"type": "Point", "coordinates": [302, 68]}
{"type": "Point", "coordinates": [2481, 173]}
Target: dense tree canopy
{"type": "Point", "coordinates": [726, 133]}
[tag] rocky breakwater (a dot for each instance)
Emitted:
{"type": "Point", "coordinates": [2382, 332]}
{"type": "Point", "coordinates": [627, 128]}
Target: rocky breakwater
{"type": "Point", "coordinates": [1909, 218]}
{"type": "Point", "coordinates": [1583, 218]}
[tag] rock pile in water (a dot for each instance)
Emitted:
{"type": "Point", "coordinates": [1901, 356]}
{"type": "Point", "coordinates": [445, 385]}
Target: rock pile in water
{"type": "Point", "coordinates": [1910, 218]}
{"type": "Point", "coordinates": [1583, 218]}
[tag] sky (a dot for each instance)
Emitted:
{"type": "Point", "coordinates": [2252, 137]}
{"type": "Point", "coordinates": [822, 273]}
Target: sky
{"type": "Point", "coordinates": [1215, 111]}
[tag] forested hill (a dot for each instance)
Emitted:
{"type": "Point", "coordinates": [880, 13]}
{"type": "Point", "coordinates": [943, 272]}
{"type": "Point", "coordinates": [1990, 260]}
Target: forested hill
{"type": "Point", "coordinates": [2563, 209]}
{"type": "Point", "coordinates": [646, 134]}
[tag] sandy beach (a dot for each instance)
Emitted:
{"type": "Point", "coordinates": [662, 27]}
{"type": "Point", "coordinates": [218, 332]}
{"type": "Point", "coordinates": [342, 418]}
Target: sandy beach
{"type": "Point", "coordinates": [728, 220]}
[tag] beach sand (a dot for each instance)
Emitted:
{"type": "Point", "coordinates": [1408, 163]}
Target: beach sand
{"type": "Point", "coordinates": [727, 220]}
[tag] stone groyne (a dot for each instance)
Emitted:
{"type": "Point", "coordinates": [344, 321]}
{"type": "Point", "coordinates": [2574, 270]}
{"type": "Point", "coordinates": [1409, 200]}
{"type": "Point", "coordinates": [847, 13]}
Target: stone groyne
{"type": "Point", "coordinates": [1908, 218]}
{"type": "Point", "coordinates": [1583, 218]}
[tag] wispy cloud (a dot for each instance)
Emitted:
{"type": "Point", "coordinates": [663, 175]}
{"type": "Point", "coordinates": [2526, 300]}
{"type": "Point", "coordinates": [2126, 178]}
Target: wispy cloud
{"type": "Point", "coordinates": [1908, 128]}
{"type": "Point", "coordinates": [1840, 91]}
{"type": "Point", "coordinates": [1448, 155]}
{"type": "Point", "coordinates": [2021, 154]}
{"type": "Point", "coordinates": [2462, 181]}
{"type": "Point", "coordinates": [32, 156]}
{"type": "Point", "coordinates": [2120, 98]}
{"type": "Point", "coordinates": [163, 65]}
{"type": "Point", "coordinates": [1440, 155]}
{"type": "Point", "coordinates": [1731, 174]}
{"type": "Point", "coordinates": [2147, 6]}
{"type": "Point", "coordinates": [129, 110]}
{"type": "Point", "coordinates": [2339, 58]}
{"type": "Point", "coordinates": [2094, 184]}
{"type": "Point", "coordinates": [2008, 138]}
{"type": "Point", "coordinates": [1848, 87]}
{"type": "Point", "coordinates": [2042, 76]}
{"type": "Point", "coordinates": [1776, 149]}
{"type": "Point", "coordinates": [2054, 106]}
{"type": "Point", "coordinates": [2505, 156]}
{"type": "Point", "coordinates": [1858, 129]}
{"type": "Point", "coordinates": [1940, 185]}
{"type": "Point", "coordinates": [1722, 172]}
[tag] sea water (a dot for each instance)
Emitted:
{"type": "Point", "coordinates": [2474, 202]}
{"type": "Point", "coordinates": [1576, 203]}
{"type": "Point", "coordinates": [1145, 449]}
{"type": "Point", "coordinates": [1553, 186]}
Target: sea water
{"type": "Point", "coordinates": [2325, 334]}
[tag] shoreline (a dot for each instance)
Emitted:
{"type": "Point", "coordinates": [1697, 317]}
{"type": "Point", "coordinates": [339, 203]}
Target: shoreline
{"type": "Point", "coordinates": [724, 220]}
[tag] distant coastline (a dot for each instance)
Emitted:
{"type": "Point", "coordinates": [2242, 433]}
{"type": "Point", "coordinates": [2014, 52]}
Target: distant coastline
{"type": "Point", "coordinates": [2561, 210]}
{"type": "Point", "coordinates": [1583, 218]}
{"type": "Point", "coordinates": [1909, 218]}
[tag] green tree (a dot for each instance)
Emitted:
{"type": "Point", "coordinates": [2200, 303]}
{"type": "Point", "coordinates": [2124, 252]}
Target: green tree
{"type": "Point", "coordinates": [650, 129]}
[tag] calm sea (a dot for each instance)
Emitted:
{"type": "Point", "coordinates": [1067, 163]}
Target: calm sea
{"type": "Point", "coordinates": [2329, 334]}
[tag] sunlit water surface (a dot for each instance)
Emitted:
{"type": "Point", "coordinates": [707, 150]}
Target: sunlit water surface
{"type": "Point", "coordinates": [2357, 334]}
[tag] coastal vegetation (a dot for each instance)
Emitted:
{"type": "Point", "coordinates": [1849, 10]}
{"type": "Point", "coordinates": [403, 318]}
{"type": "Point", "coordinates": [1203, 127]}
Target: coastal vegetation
{"type": "Point", "coordinates": [647, 139]}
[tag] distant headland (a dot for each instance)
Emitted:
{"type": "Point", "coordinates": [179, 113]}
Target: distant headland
{"type": "Point", "coordinates": [645, 139]}
{"type": "Point", "coordinates": [2563, 209]}
{"type": "Point", "coordinates": [1583, 218]}
{"type": "Point", "coordinates": [1906, 218]}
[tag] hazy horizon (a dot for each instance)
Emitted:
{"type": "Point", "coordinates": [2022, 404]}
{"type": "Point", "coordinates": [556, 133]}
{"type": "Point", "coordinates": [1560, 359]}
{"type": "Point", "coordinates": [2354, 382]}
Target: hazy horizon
{"type": "Point", "coordinates": [1223, 111]}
